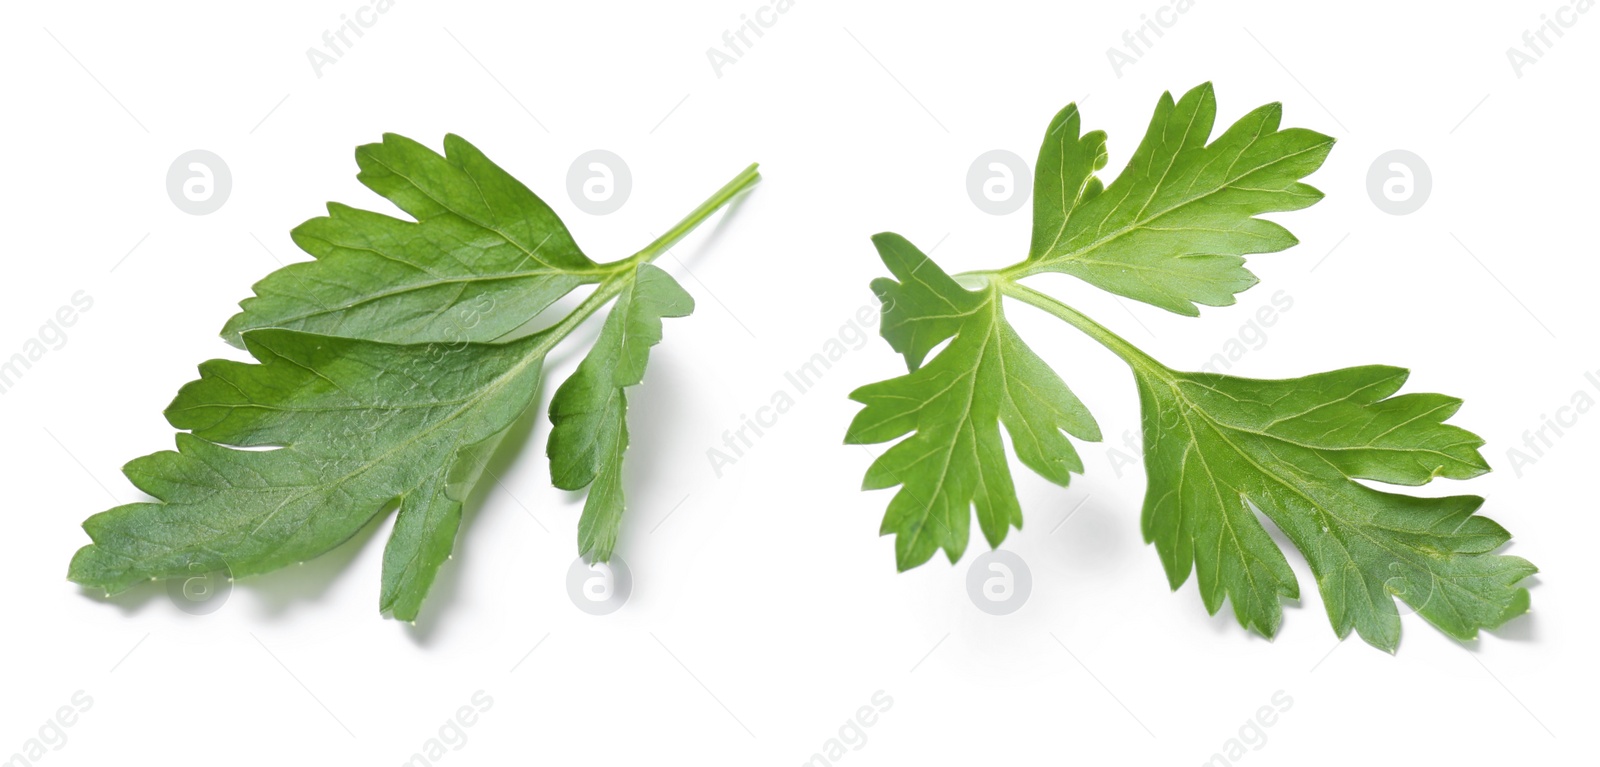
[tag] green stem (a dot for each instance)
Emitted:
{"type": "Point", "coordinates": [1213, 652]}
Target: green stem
{"type": "Point", "coordinates": [746, 179]}
{"type": "Point", "coordinates": [602, 294]}
{"type": "Point", "coordinates": [1012, 273]}
{"type": "Point", "coordinates": [1022, 269]}
{"type": "Point", "coordinates": [627, 269]}
{"type": "Point", "coordinates": [1129, 353]}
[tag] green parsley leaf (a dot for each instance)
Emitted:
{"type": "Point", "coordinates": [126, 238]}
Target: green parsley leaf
{"type": "Point", "coordinates": [398, 400]}
{"type": "Point", "coordinates": [589, 411]}
{"type": "Point", "coordinates": [358, 427]}
{"type": "Point", "coordinates": [1216, 445]}
{"type": "Point", "coordinates": [955, 404]}
{"type": "Point", "coordinates": [1173, 228]}
{"type": "Point", "coordinates": [1172, 231]}
{"type": "Point", "coordinates": [480, 239]}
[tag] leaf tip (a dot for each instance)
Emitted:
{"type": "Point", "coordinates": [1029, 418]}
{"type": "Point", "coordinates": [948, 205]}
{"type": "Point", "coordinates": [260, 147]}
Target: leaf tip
{"type": "Point", "coordinates": [888, 239]}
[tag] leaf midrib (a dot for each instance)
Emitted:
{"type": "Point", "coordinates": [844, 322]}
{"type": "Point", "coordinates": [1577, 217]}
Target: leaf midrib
{"type": "Point", "coordinates": [1409, 555]}
{"type": "Point", "coordinates": [496, 384]}
{"type": "Point", "coordinates": [1048, 261]}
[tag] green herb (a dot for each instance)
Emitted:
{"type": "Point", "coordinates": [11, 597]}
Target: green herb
{"type": "Point", "coordinates": [590, 410]}
{"type": "Point", "coordinates": [378, 386]}
{"type": "Point", "coordinates": [1171, 231]}
{"type": "Point", "coordinates": [480, 239]}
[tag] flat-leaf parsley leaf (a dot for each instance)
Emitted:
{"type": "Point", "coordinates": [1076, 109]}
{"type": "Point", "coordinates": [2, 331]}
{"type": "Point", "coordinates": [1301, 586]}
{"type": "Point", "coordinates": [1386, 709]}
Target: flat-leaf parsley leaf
{"type": "Point", "coordinates": [384, 378]}
{"type": "Point", "coordinates": [1172, 231]}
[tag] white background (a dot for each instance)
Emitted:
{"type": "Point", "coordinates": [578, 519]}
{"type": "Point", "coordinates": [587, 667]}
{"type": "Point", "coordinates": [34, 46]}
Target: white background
{"type": "Point", "coordinates": [765, 608]}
